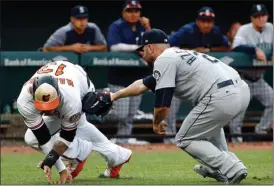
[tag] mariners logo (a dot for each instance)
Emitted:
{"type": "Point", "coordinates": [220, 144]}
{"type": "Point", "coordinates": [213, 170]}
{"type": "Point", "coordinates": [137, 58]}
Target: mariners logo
{"type": "Point", "coordinates": [156, 74]}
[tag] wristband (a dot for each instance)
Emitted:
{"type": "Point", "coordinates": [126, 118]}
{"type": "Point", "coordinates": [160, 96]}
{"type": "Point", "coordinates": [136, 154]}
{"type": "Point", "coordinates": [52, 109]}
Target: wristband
{"type": "Point", "coordinates": [50, 159]}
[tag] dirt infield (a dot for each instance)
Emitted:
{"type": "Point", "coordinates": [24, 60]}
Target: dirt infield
{"type": "Point", "coordinates": [22, 149]}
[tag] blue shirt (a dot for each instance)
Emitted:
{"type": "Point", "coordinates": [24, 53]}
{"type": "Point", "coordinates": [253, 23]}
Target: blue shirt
{"type": "Point", "coordinates": [66, 35]}
{"type": "Point", "coordinates": [189, 36]}
{"type": "Point", "coordinates": [121, 32]}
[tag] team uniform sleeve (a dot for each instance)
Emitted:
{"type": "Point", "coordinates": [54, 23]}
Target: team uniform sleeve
{"type": "Point", "coordinates": [99, 37]}
{"type": "Point", "coordinates": [239, 38]}
{"type": "Point", "coordinates": [32, 117]}
{"type": "Point", "coordinates": [164, 72]}
{"type": "Point", "coordinates": [150, 82]}
{"type": "Point", "coordinates": [113, 35]}
{"type": "Point", "coordinates": [58, 38]}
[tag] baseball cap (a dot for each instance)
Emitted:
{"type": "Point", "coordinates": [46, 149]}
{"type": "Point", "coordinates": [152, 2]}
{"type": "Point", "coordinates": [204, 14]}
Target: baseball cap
{"type": "Point", "coordinates": [46, 93]}
{"type": "Point", "coordinates": [153, 36]}
{"type": "Point", "coordinates": [258, 9]}
{"type": "Point", "coordinates": [206, 13]}
{"type": "Point", "coordinates": [79, 11]}
{"type": "Point", "coordinates": [132, 4]}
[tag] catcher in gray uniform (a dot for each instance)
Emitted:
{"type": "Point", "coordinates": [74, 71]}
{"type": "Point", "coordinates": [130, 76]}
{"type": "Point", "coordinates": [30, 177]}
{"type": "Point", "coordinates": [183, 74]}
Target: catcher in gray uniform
{"type": "Point", "coordinates": [215, 88]}
{"type": "Point", "coordinates": [256, 39]}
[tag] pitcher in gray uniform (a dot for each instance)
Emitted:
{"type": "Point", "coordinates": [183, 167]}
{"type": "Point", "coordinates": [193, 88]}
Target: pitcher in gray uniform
{"type": "Point", "coordinates": [215, 88]}
{"type": "Point", "coordinates": [256, 39]}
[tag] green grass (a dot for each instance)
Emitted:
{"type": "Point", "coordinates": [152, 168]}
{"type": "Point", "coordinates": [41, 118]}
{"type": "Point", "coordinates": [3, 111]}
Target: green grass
{"type": "Point", "coordinates": [144, 168]}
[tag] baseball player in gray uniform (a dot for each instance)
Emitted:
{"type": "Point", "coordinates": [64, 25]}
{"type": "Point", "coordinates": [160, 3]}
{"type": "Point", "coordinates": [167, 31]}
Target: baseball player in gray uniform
{"type": "Point", "coordinates": [216, 89]}
{"type": "Point", "coordinates": [256, 39]}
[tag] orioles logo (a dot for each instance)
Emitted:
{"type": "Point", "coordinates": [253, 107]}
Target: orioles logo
{"type": "Point", "coordinates": [46, 98]}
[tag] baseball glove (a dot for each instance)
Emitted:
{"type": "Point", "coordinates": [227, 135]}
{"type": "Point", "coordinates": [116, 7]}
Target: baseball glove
{"type": "Point", "coordinates": [98, 103]}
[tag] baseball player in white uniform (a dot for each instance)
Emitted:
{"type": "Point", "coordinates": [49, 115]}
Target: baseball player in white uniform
{"type": "Point", "coordinates": [52, 101]}
{"type": "Point", "coordinates": [256, 39]}
{"type": "Point", "coordinates": [215, 88]}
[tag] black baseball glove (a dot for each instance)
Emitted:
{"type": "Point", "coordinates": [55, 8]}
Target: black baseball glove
{"type": "Point", "coordinates": [98, 103]}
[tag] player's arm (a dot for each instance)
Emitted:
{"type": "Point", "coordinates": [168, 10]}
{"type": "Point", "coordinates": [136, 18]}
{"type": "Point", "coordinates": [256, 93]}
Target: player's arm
{"type": "Point", "coordinates": [35, 122]}
{"type": "Point", "coordinates": [165, 70]}
{"type": "Point", "coordinates": [136, 88]}
{"type": "Point", "coordinates": [115, 43]}
{"type": "Point", "coordinates": [100, 41]}
{"type": "Point", "coordinates": [56, 42]}
{"type": "Point", "coordinates": [240, 44]}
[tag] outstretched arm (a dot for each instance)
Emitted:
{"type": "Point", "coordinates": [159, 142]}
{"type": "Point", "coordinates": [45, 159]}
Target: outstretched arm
{"type": "Point", "coordinates": [135, 89]}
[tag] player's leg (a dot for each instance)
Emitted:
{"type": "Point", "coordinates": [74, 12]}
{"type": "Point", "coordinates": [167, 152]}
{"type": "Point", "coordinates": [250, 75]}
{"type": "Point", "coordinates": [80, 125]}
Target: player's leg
{"type": "Point", "coordinates": [264, 93]}
{"type": "Point", "coordinates": [114, 155]}
{"type": "Point", "coordinates": [205, 121]}
{"type": "Point", "coordinates": [121, 111]}
{"type": "Point", "coordinates": [171, 119]}
{"type": "Point", "coordinates": [52, 123]}
{"type": "Point", "coordinates": [76, 155]}
{"type": "Point", "coordinates": [219, 141]}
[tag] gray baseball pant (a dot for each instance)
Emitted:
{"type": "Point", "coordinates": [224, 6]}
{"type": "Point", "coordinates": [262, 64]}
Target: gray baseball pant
{"type": "Point", "coordinates": [201, 135]}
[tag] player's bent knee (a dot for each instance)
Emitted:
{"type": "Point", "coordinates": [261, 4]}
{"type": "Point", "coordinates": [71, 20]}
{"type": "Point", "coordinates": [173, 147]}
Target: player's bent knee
{"type": "Point", "coordinates": [181, 141]}
{"type": "Point", "coordinates": [30, 139]}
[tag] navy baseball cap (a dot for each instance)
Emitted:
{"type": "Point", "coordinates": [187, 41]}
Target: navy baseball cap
{"type": "Point", "coordinates": [79, 11]}
{"type": "Point", "coordinates": [258, 9]}
{"type": "Point", "coordinates": [132, 4]}
{"type": "Point", "coordinates": [206, 13]}
{"type": "Point", "coordinates": [153, 36]}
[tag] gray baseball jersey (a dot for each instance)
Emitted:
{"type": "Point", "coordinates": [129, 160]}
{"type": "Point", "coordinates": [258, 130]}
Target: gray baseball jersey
{"type": "Point", "coordinates": [247, 35]}
{"type": "Point", "coordinates": [204, 80]}
{"type": "Point", "coordinates": [191, 73]}
{"type": "Point", "coordinates": [67, 36]}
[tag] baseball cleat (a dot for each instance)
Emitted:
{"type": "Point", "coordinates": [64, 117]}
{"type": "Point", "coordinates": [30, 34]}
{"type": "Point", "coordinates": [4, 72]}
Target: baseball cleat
{"type": "Point", "coordinates": [113, 172]}
{"type": "Point", "coordinates": [75, 168]}
{"type": "Point", "coordinates": [205, 172]}
{"type": "Point", "coordinates": [239, 176]}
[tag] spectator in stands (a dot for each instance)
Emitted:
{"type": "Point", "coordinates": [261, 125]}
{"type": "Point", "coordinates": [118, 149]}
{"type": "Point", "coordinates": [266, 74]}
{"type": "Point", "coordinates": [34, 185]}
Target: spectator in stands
{"type": "Point", "coordinates": [256, 39]}
{"type": "Point", "coordinates": [232, 31]}
{"type": "Point", "coordinates": [201, 35]}
{"type": "Point", "coordinates": [78, 36]}
{"type": "Point", "coordinates": [124, 35]}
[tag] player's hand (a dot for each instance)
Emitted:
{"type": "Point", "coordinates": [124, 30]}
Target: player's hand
{"type": "Point", "coordinates": [202, 49]}
{"type": "Point", "coordinates": [160, 128]}
{"type": "Point", "coordinates": [145, 22]}
{"type": "Point", "coordinates": [47, 172]}
{"type": "Point", "coordinates": [64, 176]}
{"type": "Point", "coordinates": [78, 48]}
{"type": "Point", "coordinates": [260, 55]}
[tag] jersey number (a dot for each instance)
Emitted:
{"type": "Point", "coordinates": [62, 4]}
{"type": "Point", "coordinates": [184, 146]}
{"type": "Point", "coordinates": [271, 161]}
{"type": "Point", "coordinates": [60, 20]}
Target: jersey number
{"type": "Point", "coordinates": [58, 72]}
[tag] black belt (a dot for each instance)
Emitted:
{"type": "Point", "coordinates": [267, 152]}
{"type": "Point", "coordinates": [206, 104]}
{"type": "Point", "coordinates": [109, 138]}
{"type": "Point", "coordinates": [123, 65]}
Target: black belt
{"type": "Point", "coordinates": [225, 84]}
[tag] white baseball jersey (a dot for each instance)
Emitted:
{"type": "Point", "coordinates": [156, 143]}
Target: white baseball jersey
{"type": "Point", "coordinates": [192, 74]}
{"type": "Point", "coordinates": [247, 35]}
{"type": "Point", "coordinates": [73, 85]}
